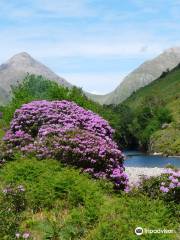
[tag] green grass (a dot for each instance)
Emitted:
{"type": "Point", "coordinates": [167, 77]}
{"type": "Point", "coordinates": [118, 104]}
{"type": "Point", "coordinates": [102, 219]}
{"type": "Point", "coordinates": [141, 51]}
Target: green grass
{"type": "Point", "coordinates": [167, 90]}
{"type": "Point", "coordinates": [62, 203]}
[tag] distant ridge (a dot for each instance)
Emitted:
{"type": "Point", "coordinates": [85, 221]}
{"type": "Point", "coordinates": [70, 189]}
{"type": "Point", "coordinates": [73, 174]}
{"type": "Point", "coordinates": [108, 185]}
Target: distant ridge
{"type": "Point", "coordinates": [140, 77]}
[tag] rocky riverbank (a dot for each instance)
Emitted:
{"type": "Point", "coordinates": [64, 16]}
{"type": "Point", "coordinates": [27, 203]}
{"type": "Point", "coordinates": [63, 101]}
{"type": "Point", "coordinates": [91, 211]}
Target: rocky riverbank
{"type": "Point", "coordinates": [135, 173]}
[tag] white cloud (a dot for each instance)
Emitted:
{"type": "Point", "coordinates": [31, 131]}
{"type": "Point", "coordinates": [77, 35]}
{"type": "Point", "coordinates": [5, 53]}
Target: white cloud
{"type": "Point", "coordinates": [59, 29]}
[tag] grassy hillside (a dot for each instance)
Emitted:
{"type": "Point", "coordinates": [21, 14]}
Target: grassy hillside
{"type": "Point", "coordinates": [155, 114]}
{"type": "Point", "coordinates": [167, 88]}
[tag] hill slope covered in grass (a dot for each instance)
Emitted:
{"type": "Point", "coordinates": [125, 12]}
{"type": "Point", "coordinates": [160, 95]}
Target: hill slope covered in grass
{"type": "Point", "coordinates": [152, 118]}
{"type": "Point", "coordinates": [146, 73]}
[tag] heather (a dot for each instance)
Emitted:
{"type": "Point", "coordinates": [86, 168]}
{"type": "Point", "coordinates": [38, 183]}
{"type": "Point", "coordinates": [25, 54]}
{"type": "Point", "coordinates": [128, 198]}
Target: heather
{"type": "Point", "coordinates": [62, 130]}
{"type": "Point", "coordinates": [52, 201]}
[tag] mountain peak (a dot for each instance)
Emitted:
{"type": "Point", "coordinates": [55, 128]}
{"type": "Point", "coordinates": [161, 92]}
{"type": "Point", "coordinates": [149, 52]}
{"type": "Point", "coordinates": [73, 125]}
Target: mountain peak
{"type": "Point", "coordinates": [143, 75]}
{"type": "Point", "coordinates": [17, 67]}
{"type": "Point", "coordinates": [22, 57]}
{"type": "Point", "coordinates": [175, 50]}
{"type": "Point", "coordinates": [22, 54]}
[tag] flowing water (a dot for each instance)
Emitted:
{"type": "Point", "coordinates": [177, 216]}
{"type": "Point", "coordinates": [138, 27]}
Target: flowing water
{"type": "Point", "coordinates": [139, 159]}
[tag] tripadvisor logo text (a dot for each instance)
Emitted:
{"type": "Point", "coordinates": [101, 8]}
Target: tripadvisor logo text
{"type": "Point", "coordinates": [139, 231]}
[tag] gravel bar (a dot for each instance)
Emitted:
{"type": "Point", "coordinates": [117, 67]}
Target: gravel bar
{"type": "Point", "coordinates": [135, 173]}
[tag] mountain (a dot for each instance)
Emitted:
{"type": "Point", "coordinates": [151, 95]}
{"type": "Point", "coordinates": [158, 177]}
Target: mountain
{"type": "Point", "coordinates": [140, 77]}
{"type": "Point", "coordinates": [19, 65]}
{"type": "Point", "coordinates": [16, 69]}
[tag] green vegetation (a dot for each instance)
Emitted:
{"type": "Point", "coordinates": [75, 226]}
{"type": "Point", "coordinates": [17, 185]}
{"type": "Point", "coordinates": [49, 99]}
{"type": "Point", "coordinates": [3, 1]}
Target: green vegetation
{"type": "Point", "coordinates": [150, 118]}
{"type": "Point", "coordinates": [37, 88]}
{"type": "Point", "coordinates": [60, 203]}
{"type": "Point", "coordinates": [51, 201]}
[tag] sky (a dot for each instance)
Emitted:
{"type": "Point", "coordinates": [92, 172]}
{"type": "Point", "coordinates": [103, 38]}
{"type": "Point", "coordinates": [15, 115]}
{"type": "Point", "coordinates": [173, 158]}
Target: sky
{"type": "Point", "coordinates": [93, 44]}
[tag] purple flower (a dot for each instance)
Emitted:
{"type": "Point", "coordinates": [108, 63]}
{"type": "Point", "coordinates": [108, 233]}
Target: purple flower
{"type": "Point", "coordinates": [26, 235]}
{"type": "Point", "coordinates": [127, 189]}
{"type": "Point", "coordinates": [64, 131]}
{"type": "Point", "coordinates": [168, 171]}
{"type": "Point", "coordinates": [172, 185]}
{"type": "Point", "coordinates": [176, 174]}
{"type": "Point", "coordinates": [171, 177]}
{"type": "Point", "coordinates": [174, 180]}
{"type": "Point", "coordinates": [164, 189]}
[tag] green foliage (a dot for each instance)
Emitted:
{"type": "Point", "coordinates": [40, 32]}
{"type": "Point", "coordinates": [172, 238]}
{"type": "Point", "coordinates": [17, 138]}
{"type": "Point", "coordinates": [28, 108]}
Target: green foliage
{"type": "Point", "coordinates": [137, 125]}
{"type": "Point", "coordinates": [12, 204]}
{"type": "Point", "coordinates": [121, 120]}
{"type": "Point", "coordinates": [43, 188]}
{"type": "Point", "coordinates": [166, 141]}
{"type": "Point", "coordinates": [150, 110]}
{"type": "Point", "coordinates": [37, 88]}
{"type": "Point", "coordinates": [120, 217]}
{"type": "Point", "coordinates": [61, 203]}
{"type": "Point", "coordinates": [151, 188]}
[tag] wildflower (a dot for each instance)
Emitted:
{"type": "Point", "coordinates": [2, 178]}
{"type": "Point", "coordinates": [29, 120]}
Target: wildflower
{"type": "Point", "coordinates": [164, 189]}
{"type": "Point", "coordinates": [26, 235]}
{"type": "Point", "coordinates": [174, 180]}
{"type": "Point", "coordinates": [127, 189]}
{"type": "Point", "coordinates": [7, 190]}
{"type": "Point", "coordinates": [21, 188]}
{"type": "Point", "coordinates": [172, 185]}
{"type": "Point", "coordinates": [17, 235]}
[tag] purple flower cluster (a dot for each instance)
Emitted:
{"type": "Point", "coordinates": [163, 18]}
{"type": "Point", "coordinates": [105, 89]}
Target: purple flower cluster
{"type": "Point", "coordinates": [173, 181]}
{"type": "Point", "coordinates": [69, 133]}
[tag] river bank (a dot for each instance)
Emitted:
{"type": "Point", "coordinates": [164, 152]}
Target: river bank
{"type": "Point", "coordinates": [135, 173]}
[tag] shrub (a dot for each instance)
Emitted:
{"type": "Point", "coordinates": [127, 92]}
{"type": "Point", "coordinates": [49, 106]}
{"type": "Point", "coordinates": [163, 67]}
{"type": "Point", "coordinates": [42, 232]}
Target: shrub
{"type": "Point", "coordinates": [12, 203]}
{"type": "Point", "coordinates": [62, 130]}
{"type": "Point", "coordinates": [166, 186]}
{"type": "Point", "coordinates": [170, 187]}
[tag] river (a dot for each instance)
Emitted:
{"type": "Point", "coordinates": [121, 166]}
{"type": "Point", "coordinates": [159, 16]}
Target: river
{"type": "Point", "coordinates": [139, 159]}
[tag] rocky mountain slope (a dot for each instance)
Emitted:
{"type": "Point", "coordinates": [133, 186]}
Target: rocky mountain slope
{"type": "Point", "coordinates": [140, 77]}
{"type": "Point", "coordinates": [16, 69]}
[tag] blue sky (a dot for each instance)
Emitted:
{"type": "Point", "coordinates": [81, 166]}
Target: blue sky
{"type": "Point", "coordinates": [92, 43]}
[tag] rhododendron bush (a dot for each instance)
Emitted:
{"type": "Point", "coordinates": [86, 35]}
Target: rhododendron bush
{"type": "Point", "coordinates": [69, 133]}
